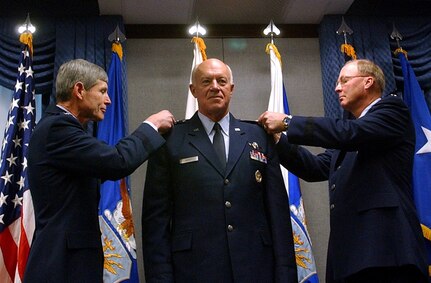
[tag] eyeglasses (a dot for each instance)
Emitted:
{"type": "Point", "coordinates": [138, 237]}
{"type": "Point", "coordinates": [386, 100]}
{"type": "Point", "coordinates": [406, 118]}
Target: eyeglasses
{"type": "Point", "coordinates": [343, 80]}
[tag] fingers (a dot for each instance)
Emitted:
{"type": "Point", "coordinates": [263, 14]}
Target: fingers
{"type": "Point", "coordinates": [167, 121]}
{"type": "Point", "coordinates": [163, 120]}
{"type": "Point", "coordinates": [262, 118]}
{"type": "Point", "coordinates": [276, 137]}
{"type": "Point", "coordinates": [272, 122]}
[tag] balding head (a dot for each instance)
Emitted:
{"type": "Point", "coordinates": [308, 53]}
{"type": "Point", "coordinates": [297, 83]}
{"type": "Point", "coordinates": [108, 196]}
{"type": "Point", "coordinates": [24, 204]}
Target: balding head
{"type": "Point", "coordinates": [212, 86]}
{"type": "Point", "coordinates": [212, 61]}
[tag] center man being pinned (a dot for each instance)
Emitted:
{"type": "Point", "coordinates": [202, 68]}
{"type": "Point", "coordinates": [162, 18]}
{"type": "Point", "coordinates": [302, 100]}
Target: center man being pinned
{"type": "Point", "coordinates": [209, 220]}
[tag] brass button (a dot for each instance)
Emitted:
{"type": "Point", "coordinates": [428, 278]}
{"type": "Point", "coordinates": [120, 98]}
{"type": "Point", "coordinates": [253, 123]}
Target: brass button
{"type": "Point", "coordinates": [230, 228]}
{"type": "Point", "coordinates": [228, 204]}
{"type": "Point", "coordinates": [258, 176]}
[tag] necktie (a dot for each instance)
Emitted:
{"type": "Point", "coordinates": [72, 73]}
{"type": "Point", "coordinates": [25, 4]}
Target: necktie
{"type": "Point", "coordinates": [218, 143]}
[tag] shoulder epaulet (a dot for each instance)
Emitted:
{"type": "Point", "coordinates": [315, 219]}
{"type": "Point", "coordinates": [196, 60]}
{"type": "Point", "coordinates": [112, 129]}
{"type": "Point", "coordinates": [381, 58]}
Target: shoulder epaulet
{"type": "Point", "coordinates": [250, 121]}
{"type": "Point", "coordinates": [179, 122]}
{"type": "Point", "coordinates": [392, 94]}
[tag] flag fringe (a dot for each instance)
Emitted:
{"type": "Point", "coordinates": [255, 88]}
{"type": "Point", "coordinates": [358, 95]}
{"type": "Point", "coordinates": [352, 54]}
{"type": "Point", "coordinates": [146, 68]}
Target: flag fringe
{"type": "Point", "coordinates": [426, 231]}
{"type": "Point", "coordinates": [349, 50]}
{"type": "Point", "coordinates": [27, 39]}
{"type": "Point", "coordinates": [127, 224]}
{"type": "Point", "coordinates": [400, 50]}
{"type": "Point", "coordinates": [277, 54]}
{"type": "Point", "coordinates": [117, 48]}
{"type": "Point", "coordinates": [200, 42]}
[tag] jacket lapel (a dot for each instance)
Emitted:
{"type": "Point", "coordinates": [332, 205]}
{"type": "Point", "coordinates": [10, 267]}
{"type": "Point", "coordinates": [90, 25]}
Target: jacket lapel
{"type": "Point", "coordinates": [198, 138]}
{"type": "Point", "coordinates": [237, 142]}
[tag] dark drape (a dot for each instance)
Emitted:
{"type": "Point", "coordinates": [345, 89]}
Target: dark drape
{"type": "Point", "coordinates": [371, 40]}
{"type": "Point", "coordinates": [417, 42]}
{"type": "Point", "coordinates": [85, 38]}
{"type": "Point", "coordinates": [43, 56]}
{"type": "Point", "coordinates": [56, 41]}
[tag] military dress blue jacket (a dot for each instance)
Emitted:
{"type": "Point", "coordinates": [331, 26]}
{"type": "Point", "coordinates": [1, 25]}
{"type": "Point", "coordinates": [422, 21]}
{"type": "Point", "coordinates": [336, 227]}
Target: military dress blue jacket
{"type": "Point", "coordinates": [65, 168]}
{"type": "Point", "coordinates": [368, 164]}
{"type": "Point", "coordinates": [206, 223]}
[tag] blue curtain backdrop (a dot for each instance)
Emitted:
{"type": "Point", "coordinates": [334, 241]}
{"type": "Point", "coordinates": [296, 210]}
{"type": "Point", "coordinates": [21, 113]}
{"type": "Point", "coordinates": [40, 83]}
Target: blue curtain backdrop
{"type": "Point", "coordinates": [43, 57]}
{"type": "Point", "coordinates": [56, 41]}
{"type": "Point", "coordinates": [417, 42]}
{"type": "Point", "coordinates": [371, 40]}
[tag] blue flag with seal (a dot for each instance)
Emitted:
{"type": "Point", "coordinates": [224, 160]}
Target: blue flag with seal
{"type": "Point", "coordinates": [306, 266]}
{"type": "Point", "coordinates": [115, 210]}
{"type": "Point", "coordinates": [415, 100]}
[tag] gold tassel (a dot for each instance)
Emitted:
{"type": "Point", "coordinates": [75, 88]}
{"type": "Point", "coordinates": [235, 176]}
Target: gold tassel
{"type": "Point", "coordinates": [400, 50]}
{"type": "Point", "coordinates": [27, 39]}
{"type": "Point", "coordinates": [117, 48]}
{"type": "Point", "coordinates": [349, 50]}
{"type": "Point", "coordinates": [201, 44]}
{"type": "Point", "coordinates": [426, 231]}
{"type": "Point", "coordinates": [267, 49]}
{"type": "Point", "coordinates": [127, 224]}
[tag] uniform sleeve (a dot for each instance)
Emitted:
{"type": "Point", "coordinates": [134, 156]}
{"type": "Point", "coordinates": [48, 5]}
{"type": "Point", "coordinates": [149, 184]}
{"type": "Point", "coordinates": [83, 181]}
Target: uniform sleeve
{"type": "Point", "coordinates": [71, 149]}
{"type": "Point", "coordinates": [302, 163]}
{"type": "Point", "coordinates": [156, 220]}
{"type": "Point", "coordinates": [383, 126]}
{"type": "Point", "coordinates": [279, 214]}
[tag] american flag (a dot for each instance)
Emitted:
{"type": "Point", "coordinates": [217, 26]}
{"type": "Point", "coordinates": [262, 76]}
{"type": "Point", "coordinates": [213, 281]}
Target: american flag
{"type": "Point", "coordinates": [16, 208]}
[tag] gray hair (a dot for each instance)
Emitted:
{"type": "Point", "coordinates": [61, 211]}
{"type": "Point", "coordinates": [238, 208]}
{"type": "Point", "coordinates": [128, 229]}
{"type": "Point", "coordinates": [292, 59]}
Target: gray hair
{"type": "Point", "coordinates": [77, 70]}
{"type": "Point", "coordinates": [369, 68]}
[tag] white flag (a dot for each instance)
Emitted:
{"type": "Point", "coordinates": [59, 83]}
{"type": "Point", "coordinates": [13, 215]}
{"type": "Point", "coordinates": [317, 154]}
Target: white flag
{"type": "Point", "coordinates": [198, 57]}
{"type": "Point", "coordinates": [305, 263]}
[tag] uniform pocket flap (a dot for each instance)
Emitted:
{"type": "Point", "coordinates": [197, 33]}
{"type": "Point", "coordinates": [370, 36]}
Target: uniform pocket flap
{"type": "Point", "coordinates": [182, 242]}
{"type": "Point", "coordinates": [82, 240]}
{"type": "Point", "coordinates": [380, 200]}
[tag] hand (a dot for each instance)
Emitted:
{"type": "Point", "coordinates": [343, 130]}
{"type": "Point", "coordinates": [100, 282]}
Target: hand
{"type": "Point", "coordinates": [163, 120]}
{"type": "Point", "coordinates": [272, 122]}
{"type": "Point", "coordinates": [276, 137]}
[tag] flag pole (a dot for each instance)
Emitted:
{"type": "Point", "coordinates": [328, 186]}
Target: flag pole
{"type": "Point", "coordinates": [117, 35]}
{"type": "Point", "coordinates": [306, 267]}
{"type": "Point", "coordinates": [271, 30]}
{"type": "Point", "coordinates": [199, 55]}
{"type": "Point", "coordinates": [398, 37]}
{"type": "Point", "coordinates": [346, 48]}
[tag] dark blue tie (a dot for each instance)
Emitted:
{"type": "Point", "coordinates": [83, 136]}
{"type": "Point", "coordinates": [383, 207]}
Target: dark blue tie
{"type": "Point", "coordinates": [218, 143]}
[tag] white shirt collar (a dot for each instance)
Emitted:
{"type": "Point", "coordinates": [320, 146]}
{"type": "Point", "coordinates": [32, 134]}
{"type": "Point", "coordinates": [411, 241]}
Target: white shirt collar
{"type": "Point", "coordinates": [368, 107]}
{"type": "Point", "coordinates": [209, 124]}
{"type": "Point", "coordinates": [67, 111]}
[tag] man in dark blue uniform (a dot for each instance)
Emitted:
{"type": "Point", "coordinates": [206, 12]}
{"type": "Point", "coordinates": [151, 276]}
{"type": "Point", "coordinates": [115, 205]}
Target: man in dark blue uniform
{"type": "Point", "coordinates": [65, 168]}
{"type": "Point", "coordinates": [375, 234]}
{"type": "Point", "coordinates": [210, 216]}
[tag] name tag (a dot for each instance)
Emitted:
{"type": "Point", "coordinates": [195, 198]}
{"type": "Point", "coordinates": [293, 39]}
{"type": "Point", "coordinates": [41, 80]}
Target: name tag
{"type": "Point", "coordinates": [189, 159]}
